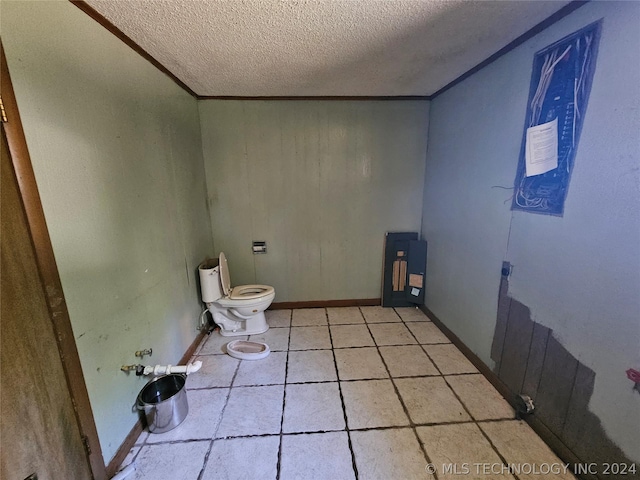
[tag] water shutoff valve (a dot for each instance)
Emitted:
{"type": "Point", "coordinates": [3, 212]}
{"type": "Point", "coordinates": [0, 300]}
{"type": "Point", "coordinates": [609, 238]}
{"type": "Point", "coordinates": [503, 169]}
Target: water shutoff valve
{"type": "Point", "coordinates": [142, 353]}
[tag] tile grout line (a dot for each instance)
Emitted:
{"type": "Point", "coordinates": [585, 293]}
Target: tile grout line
{"type": "Point", "coordinates": [482, 432]}
{"type": "Point", "coordinates": [464, 406]}
{"type": "Point", "coordinates": [346, 380]}
{"type": "Point", "coordinates": [495, 449]}
{"type": "Point", "coordinates": [473, 420]}
{"type": "Point", "coordinates": [311, 432]}
{"type": "Point", "coordinates": [346, 348]}
{"type": "Point", "coordinates": [220, 417]}
{"type": "Point", "coordinates": [412, 425]}
{"type": "Point", "coordinates": [284, 399]}
{"type": "Point", "coordinates": [344, 408]}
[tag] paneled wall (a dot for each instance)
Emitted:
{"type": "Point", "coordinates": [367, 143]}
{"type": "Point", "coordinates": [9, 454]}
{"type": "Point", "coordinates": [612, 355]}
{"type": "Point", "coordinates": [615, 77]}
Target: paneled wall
{"type": "Point", "coordinates": [319, 181]}
{"type": "Point", "coordinates": [116, 150]}
{"type": "Point", "coordinates": [578, 275]}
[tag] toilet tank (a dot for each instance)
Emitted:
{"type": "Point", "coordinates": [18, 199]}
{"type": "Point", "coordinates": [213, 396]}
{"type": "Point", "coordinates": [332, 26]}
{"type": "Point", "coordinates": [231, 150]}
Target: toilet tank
{"type": "Point", "coordinates": [210, 280]}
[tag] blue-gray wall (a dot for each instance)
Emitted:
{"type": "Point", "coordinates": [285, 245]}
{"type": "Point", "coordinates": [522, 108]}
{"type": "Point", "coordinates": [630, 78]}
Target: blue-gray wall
{"type": "Point", "coordinates": [579, 274]}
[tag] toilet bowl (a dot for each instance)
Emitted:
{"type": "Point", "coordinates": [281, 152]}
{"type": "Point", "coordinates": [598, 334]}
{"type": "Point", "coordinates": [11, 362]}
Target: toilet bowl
{"type": "Point", "coordinates": [236, 310]}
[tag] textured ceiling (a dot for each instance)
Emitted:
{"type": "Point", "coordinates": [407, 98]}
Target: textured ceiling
{"type": "Point", "coordinates": [321, 47]}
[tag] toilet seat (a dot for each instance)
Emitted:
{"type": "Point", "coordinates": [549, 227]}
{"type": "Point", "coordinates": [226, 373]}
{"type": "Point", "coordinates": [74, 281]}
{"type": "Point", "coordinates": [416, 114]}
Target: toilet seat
{"type": "Point", "coordinates": [225, 277]}
{"type": "Point", "coordinates": [241, 292]}
{"type": "Point", "coordinates": [250, 292]}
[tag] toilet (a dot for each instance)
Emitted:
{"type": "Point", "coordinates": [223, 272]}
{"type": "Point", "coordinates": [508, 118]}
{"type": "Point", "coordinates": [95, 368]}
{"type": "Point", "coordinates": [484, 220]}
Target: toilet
{"type": "Point", "coordinates": [236, 310]}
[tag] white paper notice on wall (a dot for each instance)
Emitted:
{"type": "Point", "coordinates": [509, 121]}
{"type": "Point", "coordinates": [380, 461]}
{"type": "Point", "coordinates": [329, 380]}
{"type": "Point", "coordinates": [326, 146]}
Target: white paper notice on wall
{"type": "Point", "coordinates": [541, 148]}
{"type": "Point", "coordinates": [415, 292]}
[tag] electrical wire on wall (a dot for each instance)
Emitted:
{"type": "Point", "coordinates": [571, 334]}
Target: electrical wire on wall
{"type": "Point", "coordinates": [560, 86]}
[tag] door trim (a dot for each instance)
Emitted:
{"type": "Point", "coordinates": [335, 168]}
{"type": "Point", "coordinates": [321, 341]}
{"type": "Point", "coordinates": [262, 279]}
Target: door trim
{"type": "Point", "coordinates": [48, 272]}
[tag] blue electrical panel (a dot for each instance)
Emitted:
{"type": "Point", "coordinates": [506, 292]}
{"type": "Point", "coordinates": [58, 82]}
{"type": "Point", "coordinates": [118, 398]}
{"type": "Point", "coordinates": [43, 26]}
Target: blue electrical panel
{"type": "Point", "coordinates": [560, 86]}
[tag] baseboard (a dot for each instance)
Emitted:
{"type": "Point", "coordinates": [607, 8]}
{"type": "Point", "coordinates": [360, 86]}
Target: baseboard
{"type": "Point", "coordinates": [136, 431]}
{"type": "Point", "coordinates": [192, 348]}
{"type": "Point", "coordinates": [360, 302]}
{"type": "Point", "coordinates": [123, 451]}
{"type": "Point", "coordinates": [558, 447]}
{"type": "Point", "coordinates": [472, 357]}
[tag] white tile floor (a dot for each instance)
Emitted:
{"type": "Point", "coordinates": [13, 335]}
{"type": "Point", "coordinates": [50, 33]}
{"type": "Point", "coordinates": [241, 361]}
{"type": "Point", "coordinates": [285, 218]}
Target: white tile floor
{"type": "Point", "coordinates": [347, 393]}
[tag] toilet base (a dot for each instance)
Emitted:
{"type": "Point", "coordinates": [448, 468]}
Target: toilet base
{"type": "Point", "coordinates": [232, 326]}
{"type": "Point", "coordinates": [243, 331]}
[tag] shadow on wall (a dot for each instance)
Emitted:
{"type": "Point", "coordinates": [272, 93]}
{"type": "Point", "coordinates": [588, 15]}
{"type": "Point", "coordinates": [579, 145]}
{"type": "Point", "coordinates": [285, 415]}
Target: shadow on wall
{"type": "Point", "coordinates": [530, 361]}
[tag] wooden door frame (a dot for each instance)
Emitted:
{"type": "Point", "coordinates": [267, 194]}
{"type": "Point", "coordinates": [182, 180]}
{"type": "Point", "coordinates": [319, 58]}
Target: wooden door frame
{"type": "Point", "coordinates": [49, 275]}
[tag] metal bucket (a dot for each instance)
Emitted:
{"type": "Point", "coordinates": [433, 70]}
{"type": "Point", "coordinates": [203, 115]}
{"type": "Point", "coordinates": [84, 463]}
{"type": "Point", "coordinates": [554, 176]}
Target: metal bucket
{"type": "Point", "coordinates": [164, 402]}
